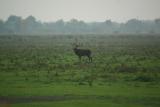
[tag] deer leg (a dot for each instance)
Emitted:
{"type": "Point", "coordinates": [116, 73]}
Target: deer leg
{"type": "Point", "coordinates": [90, 58]}
{"type": "Point", "coordinates": [80, 58]}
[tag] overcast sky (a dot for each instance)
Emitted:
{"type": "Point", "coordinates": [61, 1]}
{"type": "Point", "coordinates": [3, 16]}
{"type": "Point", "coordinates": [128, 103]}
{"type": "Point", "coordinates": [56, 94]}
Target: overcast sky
{"type": "Point", "coordinates": [87, 10]}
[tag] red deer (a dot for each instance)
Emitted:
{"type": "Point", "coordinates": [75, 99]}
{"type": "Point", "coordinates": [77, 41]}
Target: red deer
{"type": "Point", "coordinates": [82, 52]}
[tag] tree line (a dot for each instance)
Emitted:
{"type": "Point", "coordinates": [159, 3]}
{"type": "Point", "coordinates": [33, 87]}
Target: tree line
{"type": "Point", "coordinates": [30, 25]}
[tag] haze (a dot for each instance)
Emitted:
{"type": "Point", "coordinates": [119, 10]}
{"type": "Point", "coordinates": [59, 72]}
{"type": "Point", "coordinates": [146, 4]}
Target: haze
{"type": "Point", "coordinates": [87, 10]}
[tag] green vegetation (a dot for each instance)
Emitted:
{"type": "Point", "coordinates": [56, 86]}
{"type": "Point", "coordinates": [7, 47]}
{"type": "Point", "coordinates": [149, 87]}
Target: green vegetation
{"type": "Point", "coordinates": [124, 71]}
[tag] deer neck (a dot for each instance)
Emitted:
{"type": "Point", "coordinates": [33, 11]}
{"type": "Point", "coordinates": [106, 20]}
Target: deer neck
{"type": "Point", "coordinates": [75, 49]}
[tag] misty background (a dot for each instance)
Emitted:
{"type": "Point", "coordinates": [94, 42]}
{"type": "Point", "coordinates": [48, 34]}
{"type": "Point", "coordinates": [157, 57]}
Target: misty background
{"type": "Point", "coordinates": [30, 25]}
{"type": "Point", "coordinates": [79, 16]}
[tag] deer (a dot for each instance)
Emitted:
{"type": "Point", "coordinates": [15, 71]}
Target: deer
{"type": "Point", "coordinates": [82, 52]}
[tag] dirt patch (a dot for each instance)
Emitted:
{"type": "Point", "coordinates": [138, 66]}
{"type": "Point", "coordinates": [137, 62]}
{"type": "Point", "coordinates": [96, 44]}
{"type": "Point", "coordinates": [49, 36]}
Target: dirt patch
{"type": "Point", "coordinates": [17, 99]}
{"type": "Point", "coordinates": [28, 99]}
{"type": "Point", "coordinates": [7, 100]}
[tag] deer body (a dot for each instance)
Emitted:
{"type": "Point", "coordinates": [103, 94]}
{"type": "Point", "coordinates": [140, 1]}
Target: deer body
{"type": "Point", "coordinates": [83, 52]}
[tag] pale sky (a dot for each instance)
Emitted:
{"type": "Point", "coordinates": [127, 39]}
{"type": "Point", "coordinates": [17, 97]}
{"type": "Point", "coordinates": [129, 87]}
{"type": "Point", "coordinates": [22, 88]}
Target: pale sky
{"type": "Point", "coordinates": [87, 10]}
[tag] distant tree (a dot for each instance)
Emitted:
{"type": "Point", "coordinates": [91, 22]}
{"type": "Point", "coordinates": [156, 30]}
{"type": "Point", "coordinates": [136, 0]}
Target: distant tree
{"type": "Point", "coordinates": [2, 29]}
{"type": "Point", "coordinates": [72, 26]}
{"type": "Point", "coordinates": [157, 21]}
{"type": "Point", "coordinates": [59, 26]}
{"type": "Point", "coordinates": [133, 26]}
{"type": "Point", "coordinates": [60, 23]}
{"type": "Point", "coordinates": [29, 24]}
{"type": "Point", "coordinates": [157, 25]}
{"type": "Point", "coordinates": [13, 24]}
{"type": "Point", "coordinates": [108, 22]}
{"type": "Point", "coordinates": [109, 26]}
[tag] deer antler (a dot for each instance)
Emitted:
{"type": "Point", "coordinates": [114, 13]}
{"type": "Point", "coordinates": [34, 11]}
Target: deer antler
{"type": "Point", "coordinates": [76, 44]}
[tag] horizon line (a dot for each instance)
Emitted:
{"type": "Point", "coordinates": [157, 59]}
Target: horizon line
{"type": "Point", "coordinates": [67, 20]}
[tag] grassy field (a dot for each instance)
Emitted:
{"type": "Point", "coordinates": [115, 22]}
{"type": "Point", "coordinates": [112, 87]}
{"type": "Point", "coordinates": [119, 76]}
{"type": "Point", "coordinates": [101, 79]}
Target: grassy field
{"type": "Point", "coordinates": [43, 71]}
